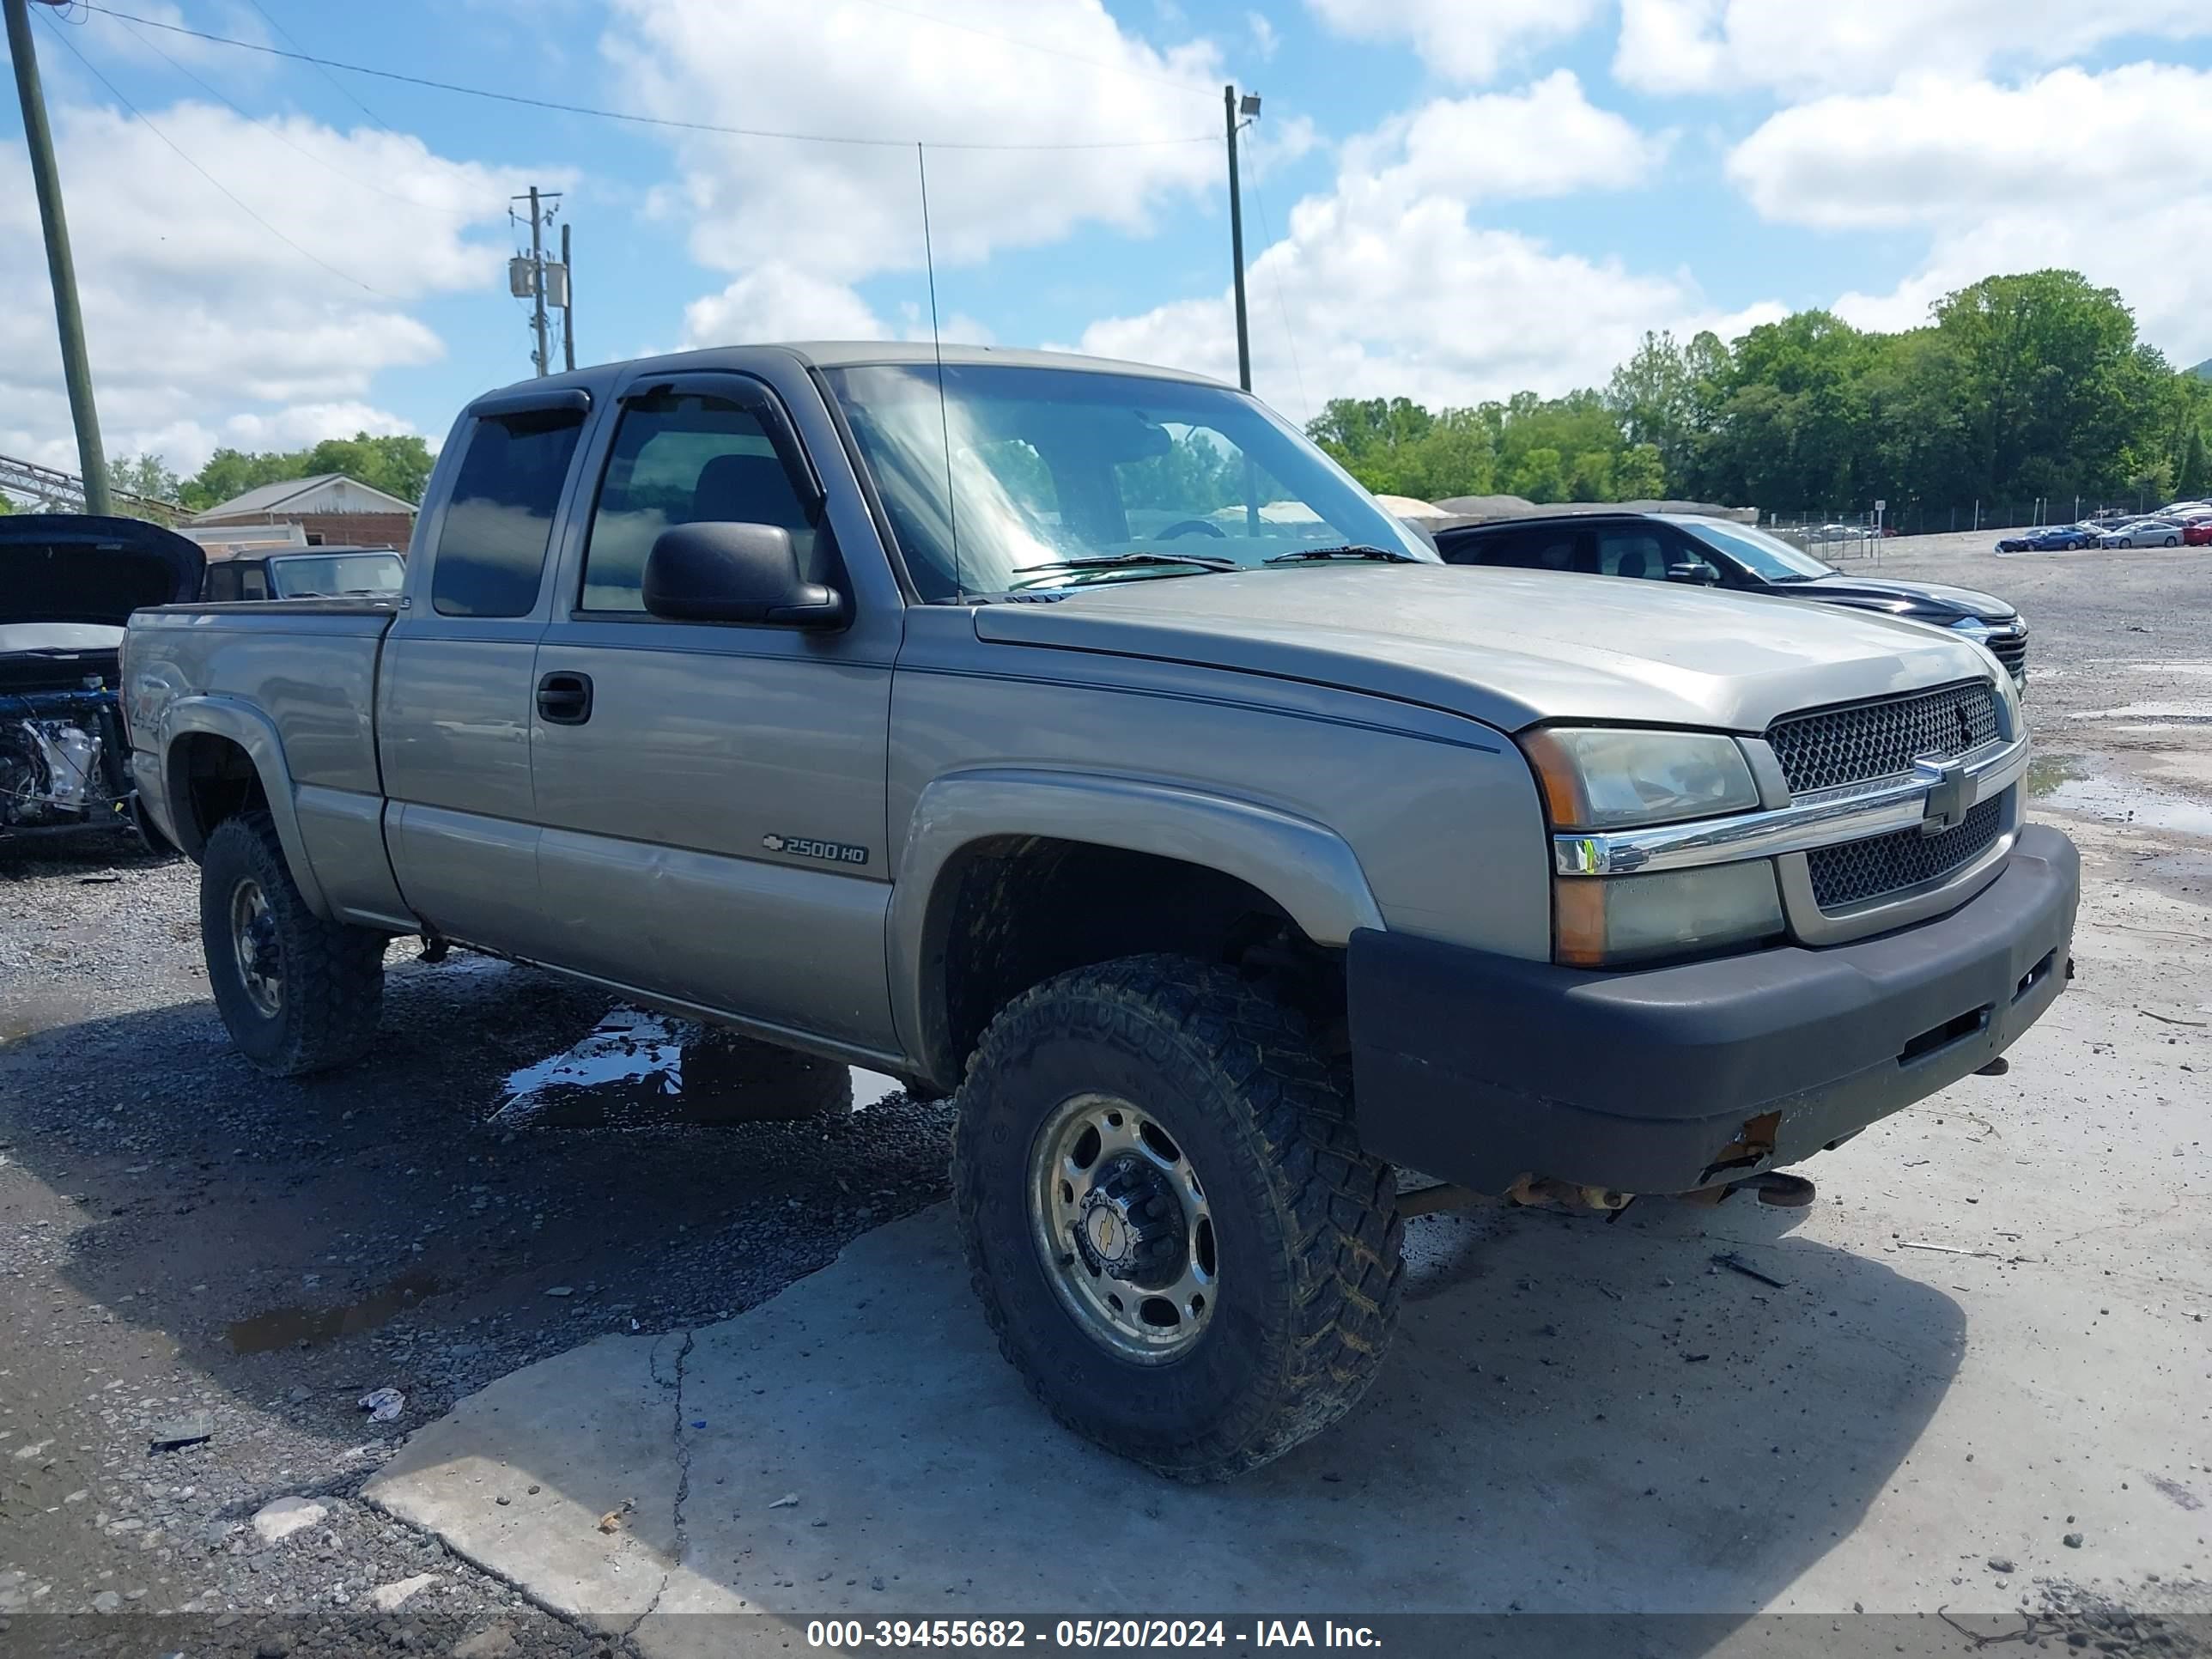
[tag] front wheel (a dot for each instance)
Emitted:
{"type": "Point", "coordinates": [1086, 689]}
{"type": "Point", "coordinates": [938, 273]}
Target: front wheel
{"type": "Point", "coordinates": [2173, 541]}
{"type": "Point", "coordinates": [298, 994]}
{"type": "Point", "coordinates": [1176, 1237]}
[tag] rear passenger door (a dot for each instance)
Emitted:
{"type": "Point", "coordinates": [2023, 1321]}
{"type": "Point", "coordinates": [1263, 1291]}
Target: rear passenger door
{"type": "Point", "coordinates": [454, 688]}
{"type": "Point", "coordinates": [713, 793]}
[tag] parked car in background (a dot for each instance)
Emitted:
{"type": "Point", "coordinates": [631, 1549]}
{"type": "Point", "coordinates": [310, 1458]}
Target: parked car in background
{"type": "Point", "coordinates": [2070, 538]}
{"type": "Point", "coordinates": [68, 584]}
{"type": "Point", "coordinates": [2197, 533]}
{"type": "Point", "coordinates": [2145, 532]}
{"type": "Point", "coordinates": [1689, 548]}
{"type": "Point", "coordinates": [321, 572]}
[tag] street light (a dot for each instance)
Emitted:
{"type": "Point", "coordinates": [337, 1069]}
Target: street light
{"type": "Point", "coordinates": [1231, 108]}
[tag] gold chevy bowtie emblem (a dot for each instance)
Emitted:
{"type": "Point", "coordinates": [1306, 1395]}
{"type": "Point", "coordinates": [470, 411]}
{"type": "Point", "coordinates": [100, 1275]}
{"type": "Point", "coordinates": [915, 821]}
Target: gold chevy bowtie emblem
{"type": "Point", "coordinates": [1104, 1232]}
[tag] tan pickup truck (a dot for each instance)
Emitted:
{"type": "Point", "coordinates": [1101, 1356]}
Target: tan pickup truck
{"type": "Point", "coordinates": [1077, 740]}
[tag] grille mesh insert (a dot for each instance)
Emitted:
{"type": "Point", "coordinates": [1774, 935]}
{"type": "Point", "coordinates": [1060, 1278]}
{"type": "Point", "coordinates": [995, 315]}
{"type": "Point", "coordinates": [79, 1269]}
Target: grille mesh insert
{"type": "Point", "coordinates": [1868, 740]}
{"type": "Point", "coordinates": [1861, 870]}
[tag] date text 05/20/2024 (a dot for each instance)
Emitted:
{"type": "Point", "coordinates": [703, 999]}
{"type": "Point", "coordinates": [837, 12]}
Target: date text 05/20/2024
{"type": "Point", "coordinates": [856, 1635]}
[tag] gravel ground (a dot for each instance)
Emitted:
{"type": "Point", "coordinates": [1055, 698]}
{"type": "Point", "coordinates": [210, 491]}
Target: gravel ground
{"type": "Point", "coordinates": [182, 1238]}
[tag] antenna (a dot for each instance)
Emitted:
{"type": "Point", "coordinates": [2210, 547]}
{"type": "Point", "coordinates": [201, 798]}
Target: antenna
{"type": "Point", "coordinates": [936, 345]}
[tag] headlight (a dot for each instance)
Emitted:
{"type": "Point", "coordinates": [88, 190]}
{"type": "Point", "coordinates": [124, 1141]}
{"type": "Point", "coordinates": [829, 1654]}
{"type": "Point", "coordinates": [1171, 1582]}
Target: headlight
{"type": "Point", "coordinates": [1602, 921]}
{"type": "Point", "coordinates": [1618, 780]}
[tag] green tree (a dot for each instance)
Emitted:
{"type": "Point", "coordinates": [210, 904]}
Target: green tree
{"type": "Point", "coordinates": [143, 475]}
{"type": "Point", "coordinates": [400, 466]}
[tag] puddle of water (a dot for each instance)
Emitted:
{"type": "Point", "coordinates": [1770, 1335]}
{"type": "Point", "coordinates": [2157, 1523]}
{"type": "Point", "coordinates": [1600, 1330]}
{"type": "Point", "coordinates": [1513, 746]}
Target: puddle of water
{"type": "Point", "coordinates": [636, 1068]}
{"type": "Point", "coordinates": [2046, 772]}
{"type": "Point", "coordinates": [2129, 803]}
{"type": "Point", "coordinates": [2190, 711]}
{"type": "Point", "coordinates": [285, 1328]}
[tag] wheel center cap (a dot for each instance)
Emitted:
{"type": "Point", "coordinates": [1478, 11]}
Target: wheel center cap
{"type": "Point", "coordinates": [1108, 1235]}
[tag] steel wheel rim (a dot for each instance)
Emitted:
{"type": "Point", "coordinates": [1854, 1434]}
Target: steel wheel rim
{"type": "Point", "coordinates": [1123, 1228]}
{"type": "Point", "coordinates": [254, 945]}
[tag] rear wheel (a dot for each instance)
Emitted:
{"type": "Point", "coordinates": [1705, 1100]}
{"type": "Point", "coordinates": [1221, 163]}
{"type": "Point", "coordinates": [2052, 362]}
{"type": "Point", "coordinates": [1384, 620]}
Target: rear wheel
{"type": "Point", "coordinates": [1171, 1226]}
{"type": "Point", "coordinates": [297, 993]}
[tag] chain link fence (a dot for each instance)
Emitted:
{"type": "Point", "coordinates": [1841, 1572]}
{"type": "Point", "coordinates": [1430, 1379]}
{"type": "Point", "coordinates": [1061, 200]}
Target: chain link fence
{"type": "Point", "coordinates": [1848, 533]}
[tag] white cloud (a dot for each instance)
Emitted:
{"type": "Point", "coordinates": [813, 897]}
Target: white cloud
{"type": "Point", "coordinates": [194, 314]}
{"type": "Point", "coordinates": [1052, 73]}
{"type": "Point", "coordinates": [2107, 188]}
{"type": "Point", "coordinates": [1265, 40]}
{"type": "Point", "coordinates": [1385, 285]}
{"type": "Point", "coordinates": [1461, 39]}
{"type": "Point", "coordinates": [1544, 140]}
{"type": "Point", "coordinates": [1800, 49]}
{"type": "Point", "coordinates": [778, 302]}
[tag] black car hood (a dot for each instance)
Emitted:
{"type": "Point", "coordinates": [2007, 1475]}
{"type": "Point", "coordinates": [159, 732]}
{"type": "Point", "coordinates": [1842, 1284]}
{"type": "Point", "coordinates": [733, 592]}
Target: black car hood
{"type": "Point", "coordinates": [1934, 602]}
{"type": "Point", "coordinates": [72, 567]}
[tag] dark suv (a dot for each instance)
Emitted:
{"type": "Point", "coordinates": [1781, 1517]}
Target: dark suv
{"type": "Point", "coordinates": [1689, 548]}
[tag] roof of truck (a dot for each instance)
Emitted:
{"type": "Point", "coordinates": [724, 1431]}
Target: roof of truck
{"type": "Point", "coordinates": [849, 353]}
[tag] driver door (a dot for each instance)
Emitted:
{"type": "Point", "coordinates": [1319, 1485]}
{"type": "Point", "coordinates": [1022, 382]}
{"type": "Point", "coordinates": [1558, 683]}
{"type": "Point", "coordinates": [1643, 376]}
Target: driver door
{"type": "Point", "coordinates": [712, 794]}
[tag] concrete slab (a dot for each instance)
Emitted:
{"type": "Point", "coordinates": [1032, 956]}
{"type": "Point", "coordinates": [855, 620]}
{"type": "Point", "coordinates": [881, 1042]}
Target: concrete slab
{"type": "Point", "coordinates": [1992, 1333]}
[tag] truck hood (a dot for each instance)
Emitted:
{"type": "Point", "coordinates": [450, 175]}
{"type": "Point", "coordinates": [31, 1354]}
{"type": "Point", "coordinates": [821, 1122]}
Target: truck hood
{"type": "Point", "coordinates": [70, 568]}
{"type": "Point", "coordinates": [1935, 602]}
{"type": "Point", "coordinates": [1508, 648]}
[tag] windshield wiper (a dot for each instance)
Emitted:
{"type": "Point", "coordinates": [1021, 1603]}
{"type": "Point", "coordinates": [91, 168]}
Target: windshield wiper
{"type": "Point", "coordinates": [1349, 551]}
{"type": "Point", "coordinates": [1118, 561]}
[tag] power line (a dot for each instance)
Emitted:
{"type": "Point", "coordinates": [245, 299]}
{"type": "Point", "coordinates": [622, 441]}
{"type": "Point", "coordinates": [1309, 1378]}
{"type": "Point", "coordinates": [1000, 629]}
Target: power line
{"type": "Point", "coordinates": [343, 91]}
{"type": "Point", "coordinates": [113, 91]}
{"type": "Point", "coordinates": [278, 134]}
{"type": "Point", "coordinates": [559, 107]}
{"type": "Point", "coordinates": [1036, 46]}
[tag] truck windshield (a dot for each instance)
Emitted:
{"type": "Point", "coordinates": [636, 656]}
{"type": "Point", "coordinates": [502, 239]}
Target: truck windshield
{"type": "Point", "coordinates": [308, 576]}
{"type": "Point", "coordinates": [1768, 558]}
{"type": "Point", "coordinates": [1065, 477]}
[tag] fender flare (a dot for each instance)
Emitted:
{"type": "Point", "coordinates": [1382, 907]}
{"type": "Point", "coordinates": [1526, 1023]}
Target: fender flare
{"type": "Point", "coordinates": [253, 732]}
{"type": "Point", "coordinates": [1306, 868]}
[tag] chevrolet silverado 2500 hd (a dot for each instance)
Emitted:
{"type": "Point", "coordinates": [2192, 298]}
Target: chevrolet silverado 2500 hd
{"type": "Point", "coordinates": [1076, 739]}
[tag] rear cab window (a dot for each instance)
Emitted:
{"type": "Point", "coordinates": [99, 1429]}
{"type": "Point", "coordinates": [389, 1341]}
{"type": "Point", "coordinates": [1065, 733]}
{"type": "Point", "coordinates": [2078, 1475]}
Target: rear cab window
{"type": "Point", "coordinates": [490, 554]}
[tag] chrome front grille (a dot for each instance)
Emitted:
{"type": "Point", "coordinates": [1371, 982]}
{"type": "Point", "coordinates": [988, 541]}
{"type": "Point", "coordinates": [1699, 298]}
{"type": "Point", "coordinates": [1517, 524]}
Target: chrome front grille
{"type": "Point", "coordinates": [2011, 650]}
{"type": "Point", "coordinates": [1858, 871]}
{"type": "Point", "coordinates": [1857, 743]}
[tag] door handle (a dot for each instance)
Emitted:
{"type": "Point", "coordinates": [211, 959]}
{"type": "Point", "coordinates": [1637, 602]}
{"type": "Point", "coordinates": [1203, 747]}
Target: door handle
{"type": "Point", "coordinates": [564, 699]}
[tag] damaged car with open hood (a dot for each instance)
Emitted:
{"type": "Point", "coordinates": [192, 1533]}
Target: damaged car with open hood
{"type": "Point", "coordinates": [68, 584]}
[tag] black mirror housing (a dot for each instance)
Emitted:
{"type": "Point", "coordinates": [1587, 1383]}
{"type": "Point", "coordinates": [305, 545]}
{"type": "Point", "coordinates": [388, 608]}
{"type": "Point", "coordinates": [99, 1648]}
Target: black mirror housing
{"type": "Point", "coordinates": [735, 573]}
{"type": "Point", "coordinates": [1697, 575]}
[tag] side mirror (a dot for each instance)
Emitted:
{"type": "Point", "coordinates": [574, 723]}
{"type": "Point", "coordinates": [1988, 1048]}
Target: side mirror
{"type": "Point", "coordinates": [1696, 575]}
{"type": "Point", "coordinates": [743, 573]}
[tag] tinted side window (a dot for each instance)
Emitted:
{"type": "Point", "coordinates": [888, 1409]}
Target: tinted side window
{"type": "Point", "coordinates": [1532, 550]}
{"type": "Point", "coordinates": [685, 458]}
{"type": "Point", "coordinates": [491, 549]}
{"type": "Point", "coordinates": [222, 583]}
{"type": "Point", "coordinates": [1632, 553]}
{"type": "Point", "coordinates": [253, 581]}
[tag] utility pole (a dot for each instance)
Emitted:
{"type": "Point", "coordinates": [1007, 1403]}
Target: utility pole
{"type": "Point", "coordinates": [568, 303]}
{"type": "Point", "coordinates": [542, 282]}
{"type": "Point", "coordinates": [1230, 111]}
{"type": "Point", "coordinates": [61, 269]}
{"type": "Point", "coordinates": [537, 278]}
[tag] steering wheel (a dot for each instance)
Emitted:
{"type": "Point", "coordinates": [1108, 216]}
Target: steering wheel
{"type": "Point", "coordinates": [1185, 526]}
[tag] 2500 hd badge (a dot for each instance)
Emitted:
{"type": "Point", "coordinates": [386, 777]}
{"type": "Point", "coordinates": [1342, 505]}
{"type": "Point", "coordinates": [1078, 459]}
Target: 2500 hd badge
{"type": "Point", "coordinates": [804, 847]}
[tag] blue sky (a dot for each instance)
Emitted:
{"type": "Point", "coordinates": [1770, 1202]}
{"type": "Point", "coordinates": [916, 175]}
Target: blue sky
{"type": "Point", "coordinates": [1447, 199]}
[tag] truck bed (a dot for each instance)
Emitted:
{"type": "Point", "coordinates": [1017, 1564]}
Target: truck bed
{"type": "Point", "coordinates": [298, 675]}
